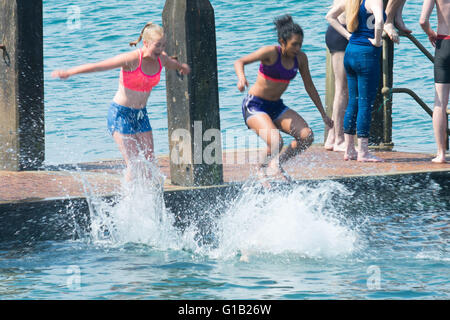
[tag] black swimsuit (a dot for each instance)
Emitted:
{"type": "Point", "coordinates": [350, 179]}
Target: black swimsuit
{"type": "Point", "coordinates": [442, 60]}
{"type": "Point", "coordinates": [335, 41]}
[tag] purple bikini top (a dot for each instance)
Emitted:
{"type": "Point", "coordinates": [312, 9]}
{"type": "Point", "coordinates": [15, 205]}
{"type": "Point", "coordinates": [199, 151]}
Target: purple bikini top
{"type": "Point", "coordinates": [276, 72]}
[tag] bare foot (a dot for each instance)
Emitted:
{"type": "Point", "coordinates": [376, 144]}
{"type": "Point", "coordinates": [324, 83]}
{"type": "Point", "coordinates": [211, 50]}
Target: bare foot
{"type": "Point", "coordinates": [404, 29]}
{"type": "Point", "coordinates": [285, 175]}
{"type": "Point", "coordinates": [439, 159]}
{"type": "Point", "coordinates": [278, 173]}
{"type": "Point", "coordinates": [350, 155]}
{"type": "Point", "coordinates": [339, 147]}
{"type": "Point", "coordinates": [261, 176]}
{"type": "Point", "coordinates": [328, 145]}
{"type": "Point", "coordinates": [401, 25]}
{"type": "Point", "coordinates": [367, 157]}
{"type": "Point", "coordinates": [391, 32]}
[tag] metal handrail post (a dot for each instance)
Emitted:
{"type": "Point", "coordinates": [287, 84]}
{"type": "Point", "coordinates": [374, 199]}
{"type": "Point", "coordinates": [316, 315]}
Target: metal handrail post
{"type": "Point", "coordinates": [388, 76]}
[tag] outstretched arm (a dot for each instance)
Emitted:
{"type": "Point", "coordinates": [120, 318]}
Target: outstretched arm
{"type": "Point", "coordinates": [118, 61]}
{"type": "Point", "coordinates": [262, 54]}
{"type": "Point", "coordinates": [427, 9]}
{"type": "Point", "coordinates": [172, 63]}
{"type": "Point", "coordinates": [311, 88]}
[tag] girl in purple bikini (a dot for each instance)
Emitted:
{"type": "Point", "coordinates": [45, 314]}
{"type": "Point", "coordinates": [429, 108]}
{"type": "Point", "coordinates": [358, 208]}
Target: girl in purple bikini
{"type": "Point", "coordinates": [263, 109]}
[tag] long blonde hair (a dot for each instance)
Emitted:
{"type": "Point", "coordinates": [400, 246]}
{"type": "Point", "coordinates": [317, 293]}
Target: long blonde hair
{"type": "Point", "coordinates": [148, 33]}
{"type": "Point", "coordinates": [351, 14]}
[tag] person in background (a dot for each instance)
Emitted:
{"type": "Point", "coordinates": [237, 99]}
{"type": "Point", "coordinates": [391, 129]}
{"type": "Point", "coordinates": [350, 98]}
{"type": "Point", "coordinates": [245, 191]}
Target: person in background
{"type": "Point", "coordinates": [336, 44]}
{"type": "Point", "coordinates": [365, 20]}
{"type": "Point", "coordinates": [441, 41]}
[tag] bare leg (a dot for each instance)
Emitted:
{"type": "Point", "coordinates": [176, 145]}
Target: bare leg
{"type": "Point", "coordinates": [391, 11]}
{"type": "Point", "coordinates": [264, 127]}
{"type": "Point", "coordinates": [293, 124]}
{"type": "Point", "coordinates": [340, 100]}
{"type": "Point", "coordinates": [336, 134]}
{"type": "Point", "coordinates": [440, 119]}
{"type": "Point", "coordinates": [329, 143]}
{"type": "Point", "coordinates": [363, 152]}
{"type": "Point", "coordinates": [350, 151]}
{"type": "Point", "coordinates": [129, 147]}
{"type": "Point", "coordinates": [399, 19]}
{"type": "Point", "coordinates": [145, 142]}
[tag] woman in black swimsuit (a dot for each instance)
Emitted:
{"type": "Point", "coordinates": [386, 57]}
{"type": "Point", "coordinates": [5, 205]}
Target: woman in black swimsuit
{"type": "Point", "coordinates": [336, 44]}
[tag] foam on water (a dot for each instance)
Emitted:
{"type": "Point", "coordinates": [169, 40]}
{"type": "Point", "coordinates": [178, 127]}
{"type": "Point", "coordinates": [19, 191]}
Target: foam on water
{"type": "Point", "coordinates": [138, 216]}
{"type": "Point", "coordinates": [437, 256]}
{"type": "Point", "coordinates": [300, 221]}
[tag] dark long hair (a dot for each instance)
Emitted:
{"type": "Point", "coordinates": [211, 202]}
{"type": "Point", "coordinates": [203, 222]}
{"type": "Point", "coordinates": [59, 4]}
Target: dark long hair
{"type": "Point", "coordinates": [286, 27]}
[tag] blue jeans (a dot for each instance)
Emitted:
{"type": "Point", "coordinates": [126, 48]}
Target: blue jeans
{"type": "Point", "coordinates": [362, 64]}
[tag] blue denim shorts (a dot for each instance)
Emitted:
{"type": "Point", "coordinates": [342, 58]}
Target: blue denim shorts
{"type": "Point", "coordinates": [252, 105]}
{"type": "Point", "coordinates": [127, 120]}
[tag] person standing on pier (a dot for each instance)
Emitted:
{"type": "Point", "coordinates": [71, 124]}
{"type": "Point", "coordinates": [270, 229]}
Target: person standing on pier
{"type": "Point", "coordinates": [441, 41]}
{"type": "Point", "coordinates": [263, 109]}
{"type": "Point", "coordinates": [365, 20]}
{"type": "Point", "coordinates": [336, 44]}
{"type": "Point", "coordinates": [128, 120]}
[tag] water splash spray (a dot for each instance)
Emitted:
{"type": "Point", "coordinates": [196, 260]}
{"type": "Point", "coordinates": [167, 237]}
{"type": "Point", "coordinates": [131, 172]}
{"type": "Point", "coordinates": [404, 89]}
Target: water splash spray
{"type": "Point", "coordinates": [300, 221]}
{"type": "Point", "coordinates": [138, 215]}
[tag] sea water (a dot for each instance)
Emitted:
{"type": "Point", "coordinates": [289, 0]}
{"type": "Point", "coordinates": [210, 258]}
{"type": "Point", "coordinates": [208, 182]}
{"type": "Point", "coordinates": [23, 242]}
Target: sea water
{"type": "Point", "coordinates": [317, 240]}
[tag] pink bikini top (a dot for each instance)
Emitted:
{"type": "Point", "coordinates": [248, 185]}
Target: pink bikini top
{"type": "Point", "coordinates": [137, 80]}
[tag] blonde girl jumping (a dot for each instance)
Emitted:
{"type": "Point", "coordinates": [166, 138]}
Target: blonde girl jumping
{"type": "Point", "coordinates": [128, 120]}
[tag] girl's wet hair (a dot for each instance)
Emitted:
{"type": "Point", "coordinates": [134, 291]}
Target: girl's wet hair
{"type": "Point", "coordinates": [147, 32]}
{"type": "Point", "coordinates": [286, 27]}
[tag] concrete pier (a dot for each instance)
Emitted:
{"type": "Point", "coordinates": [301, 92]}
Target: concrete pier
{"type": "Point", "coordinates": [54, 204]}
{"type": "Point", "coordinates": [21, 85]}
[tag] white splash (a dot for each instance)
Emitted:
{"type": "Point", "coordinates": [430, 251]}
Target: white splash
{"type": "Point", "coordinates": [138, 216]}
{"type": "Point", "coordinates": [301, 222]}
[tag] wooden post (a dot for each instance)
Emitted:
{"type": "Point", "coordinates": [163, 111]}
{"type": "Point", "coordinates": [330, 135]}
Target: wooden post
{"type": "Point", "coordinates": [193, 100]}
{"type": "Point", "coordinates": [21, 85]}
